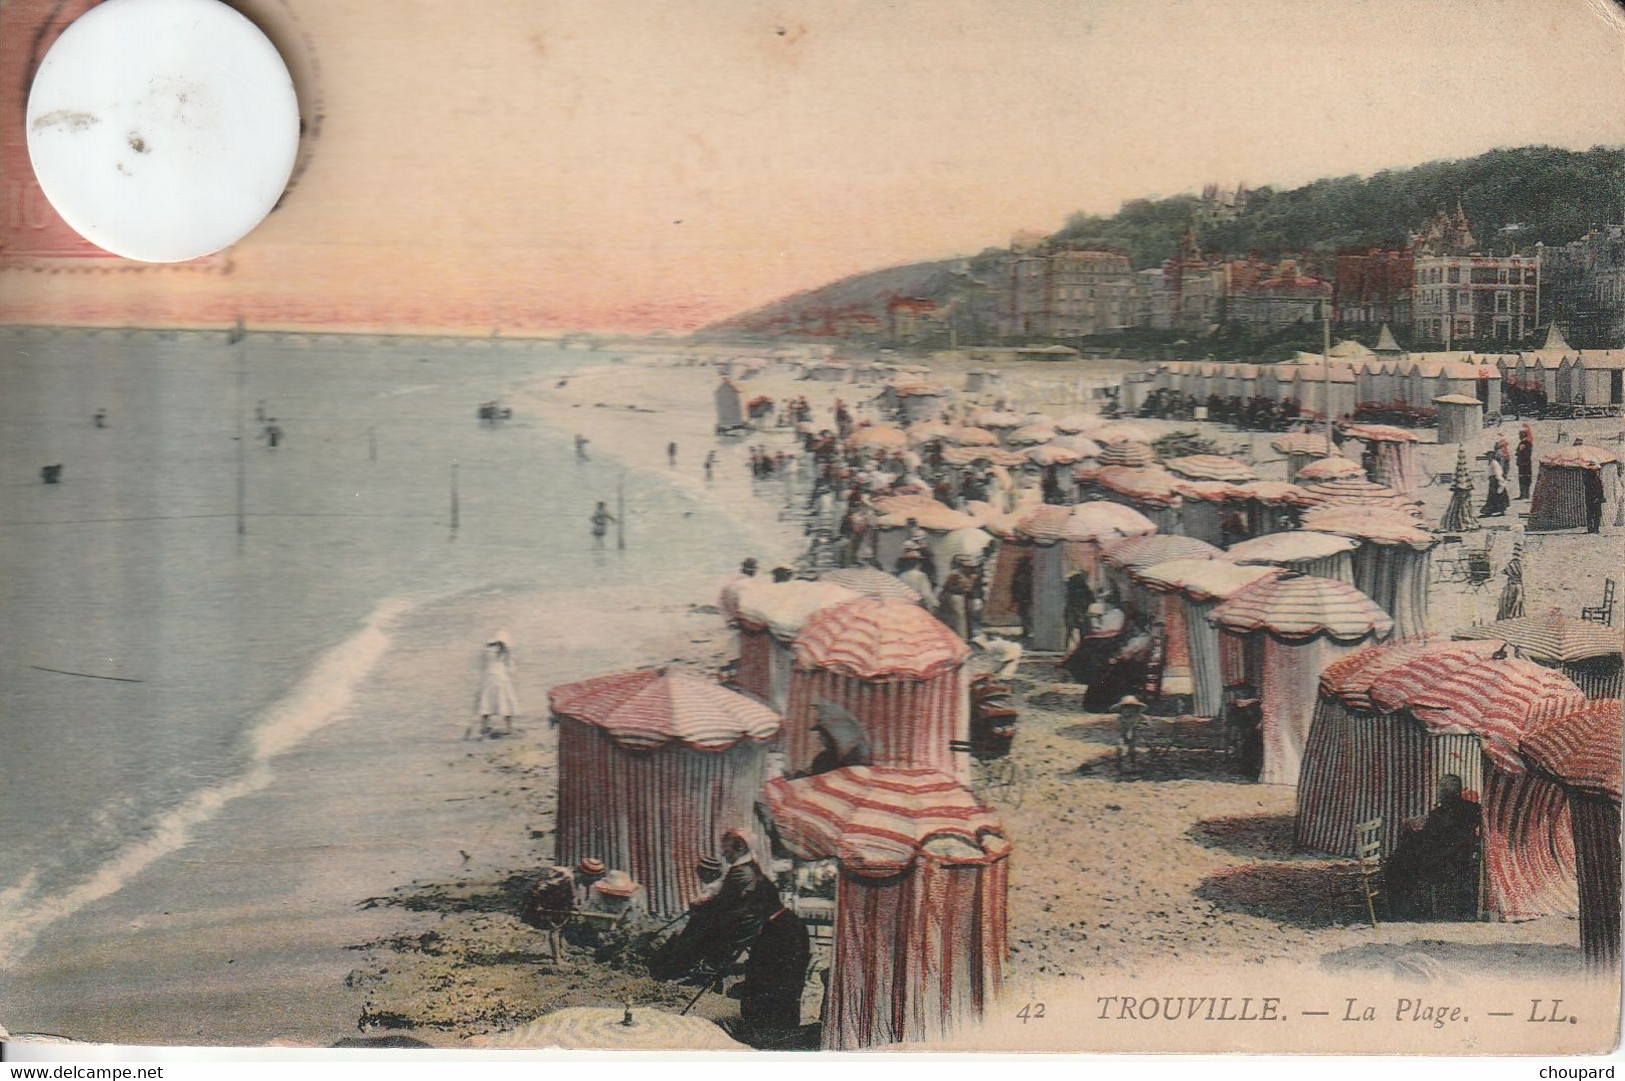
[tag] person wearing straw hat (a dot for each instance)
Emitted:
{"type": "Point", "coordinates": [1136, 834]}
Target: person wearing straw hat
{"type": "Point", "coordinates": [587, 874]}
{"type": "Point", "coordinates": [495, 696]}
{"type": "Point", "coordinates": [910, 571]}
{"type": "Point", "coordinates": [1130, 717]}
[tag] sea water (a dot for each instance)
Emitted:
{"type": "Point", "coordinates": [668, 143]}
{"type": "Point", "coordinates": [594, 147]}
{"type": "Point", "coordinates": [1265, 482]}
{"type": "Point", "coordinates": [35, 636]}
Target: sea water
{"type": "Point", "coordinates": [150, 650]}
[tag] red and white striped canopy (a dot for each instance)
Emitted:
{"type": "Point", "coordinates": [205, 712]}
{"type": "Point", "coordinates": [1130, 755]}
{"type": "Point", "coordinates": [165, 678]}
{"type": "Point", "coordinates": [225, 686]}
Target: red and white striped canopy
{"type": "Point", "coordinates": [1083, 522]}
{"type": "Point", "coordinates": [1152, 484]}
{"type": "Point", "coordinates": [1145, 551]}
{"type": "Point", "coordinates": [1354, 491]}
{"type": "Point", "coordinates": [1584, 456]}
{"type": "Point", "coordinates": [1298, 607]}
{"type": "Point", "coordinates": [1030, 434]}
{"type": "Point", "coordinates": [1378, 433]}
{"type": "Point", "coordinates": [1492, 699]}
{"type": "Point", "coordinates": [1202, 579]}
{"type": "Point", "coordinates": [1080, 423]}
{"type": "Point", "coordinates": [878, 437]}
{"type": "Point", "coordinates": [1289, 547]}
{"type": "Point", "coordinates": [1080, 443]}
{"type": "Point", "coordinates": [877, 821]}
{"type": "Point", "coordinates": [971, 437]}
{"type": "Point", "coordinates": [1053, 454]}
{"type": "Point", "coordinates": [1553, 637]}
{"type": "Point", "coordinates": [871, 582]}
{"type": "Point", "coordinates": [1273, 493]}
{"type": "Point", "coordinates": [1329, 469]}
{"type": "Point", "coordinates": [1350, 679]}
{"type": "Point", "coordinates": [926, 430]}
{"type": "Point", "coordinates": [1206, 491]}
{"type": "Point", "coordinates": [870, 639]}
{"type": "Point", "coordinates": [995, 418]}
{"type": "Point", "coordinates": [782, 608]}
{"type": "Point", "coordinates": [652, 707]}
{"type": "Point", "coordinates": [1126, 452]}
{"type": "Point", "coordinates": [1578, 748]}
{"type": "Point", "coordinates": [1299, 443]}
{"type": "Point", "coordinates": [1375, 524]}
{"type": "Point", "coordinates": [1210, 467]}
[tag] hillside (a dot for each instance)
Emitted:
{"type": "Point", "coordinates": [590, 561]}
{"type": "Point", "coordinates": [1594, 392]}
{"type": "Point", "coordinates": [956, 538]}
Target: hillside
{"type": "Point", "coordinates": [1512, 197]}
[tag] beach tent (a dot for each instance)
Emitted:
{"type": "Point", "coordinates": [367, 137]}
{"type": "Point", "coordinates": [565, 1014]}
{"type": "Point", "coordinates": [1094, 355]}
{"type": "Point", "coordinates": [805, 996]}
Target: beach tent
{"type": "Point", "coordinates": [936, 519]}
{"type": "Point", "coordinates": [1580, 750]}
{"type": "Point", "coordinates": [1392, 563]}
{"type": "Point", "coordinates": [967, 436]}
{"type": "Point", "coordinates": [770, 615]}
{"type": "Point", "coordinates": [1558, 501]}
{"type": "Point", "coordinates": [1218, 467]}
{"type": "Point", "coordinates": [1302, 623]}
{"type": "Point", "coordinates": [1062, 541]}
{"type": "Point", "coordinates": [654, 767]}
{"type": "Point", "coordinates": [1270, 505]}
{"type": "Point", "coordinates": [920, 904]}
{"type": "Point", "coordinates": [1357, 493]}
{"type": "Point", "coordinates": [1148, 489]}
{"type": "Point", "coordinates": [1031, 435]}
{"type": "Point", "coordinates": [1331, 467]}
{"type": "Point", "coordinates": [1598, 377]}
{"type": "Point", "coordinates": [1203, 505]}
{"type": "Point", "coordinates": [1080, 424]}
{"type": "Point", "coordinates": [928, 431]}
{"type": "Point", "coordinates": [1460, 418]}
{"type": "Point", "coordinates": [1121, 559]}
{"type": "Point", "coordinates": [893, 666]}
{"type": "Point", "coordinates": [1193, 654]}
{"type": "Point", "coordinates": [730, 406]}
{"type": "Point", "coordinates": [922, 401]}
{"type": "Point", "coordinates": [1324, 555]}
{"type": "Point", "coordinates": [1587, 653]}
{"type": "Point", "coordinates": [871, 582]}
{"type": "Point", "coordinates": [1398, 463]}
{"type": "Point", "coordinates": [878, 437]}
{"type": "Point", "coordinates": [1300, 449]}
{"type": "Point", "coordinates": [1460, 516]}
{"type": "Point", "coordinates": [1124, 431]}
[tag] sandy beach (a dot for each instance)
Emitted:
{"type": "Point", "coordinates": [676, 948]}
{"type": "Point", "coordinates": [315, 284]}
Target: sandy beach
{"type": "Point", "coordinates": [371, 884]}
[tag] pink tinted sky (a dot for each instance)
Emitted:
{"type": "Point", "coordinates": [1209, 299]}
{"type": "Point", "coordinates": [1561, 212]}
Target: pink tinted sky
{"type": "Point", "coordinates": [615, 165]}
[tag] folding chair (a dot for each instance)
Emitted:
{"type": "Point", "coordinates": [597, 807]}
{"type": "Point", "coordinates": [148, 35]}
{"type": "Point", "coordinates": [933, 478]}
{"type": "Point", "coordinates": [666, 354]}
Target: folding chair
{"type": "Point", "coordinates": [1368, 849]}
{"type": "Point", "coordinates": [1604, 612]}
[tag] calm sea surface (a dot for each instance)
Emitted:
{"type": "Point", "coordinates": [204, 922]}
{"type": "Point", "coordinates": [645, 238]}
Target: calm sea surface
{"type": "Point", "coordinates": [132, 567]}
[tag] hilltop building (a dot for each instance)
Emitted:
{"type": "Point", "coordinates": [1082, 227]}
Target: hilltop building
{"type": "Point", "coordinates": [1583, 286]}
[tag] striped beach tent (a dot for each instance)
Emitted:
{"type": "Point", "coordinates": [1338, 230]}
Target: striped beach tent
{"type": "Point", "coordinates": [1580, 750]}
{"type": "Point", "coordinates": [1558, 501]}
{"type": "Point", "coordinates": [1271, 506]}
{"type": "Point", "coordinates": [1062, 541]}
{"type": "Point", "coordinates": [1324, 555]}
{"type": "Point", "coordinates": [1148, 489]}
{"type": "Point", "coordinates": [871, 582]}
{"type": "Point", "coordinates": [1528, 843]}
{"type": "Point", "coordinates": [1356, 492]}
{"type": "Point", "coordinates": [1392, 562]}
{"type": "Point", "coordinates": [1301, 624]}
{"type": "Point", "coordinates": [771, 614]}
{"type": "Point", "coordinates": [1127, 452]}
{"type": "Point", "coordinates": [896, 668]}
{"type": "Point", "coordinates": [892, 528]}
{"type": "Point", "coordinates": [1300, 449]}
{"type": "Point", "coordinates": [654, 767]}
{"type": "Point", "coordinates": [1120, 559]}
{"type": "Point", "coordinates": [1193, 657]}
{"type": "Point", "coordinates": [1210, 467]}
{"type": "Point", "coordinates": [1588, 653]}
{"type": "Point", "coordinates": [1398, 462]}
{"type": "Point", "coordinates": [1203, 505]}
{"type": "Point", "coordinates": [1330, 468]}
{"type": "Point", "coordinates": [1119, 431]}
{"type": "Point", "coordinates": [920, 904]}
{"type": "Point", "coordinates": [1363, 762]}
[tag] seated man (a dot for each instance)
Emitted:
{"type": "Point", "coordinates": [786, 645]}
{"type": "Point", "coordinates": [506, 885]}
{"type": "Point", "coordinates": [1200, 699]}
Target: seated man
{"type": "Point", "coordinates": [1433, 872]}
{"type": "Point", "coordinates": [1126, 671]}
{"type": "Point", "coordinates": [680, 954]}
{"type": "Point", "coordinates": [1097, 646]}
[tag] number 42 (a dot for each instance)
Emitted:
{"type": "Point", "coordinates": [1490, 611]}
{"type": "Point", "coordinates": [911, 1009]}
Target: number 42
{"type": "Point", "coordinates": [1033, 1011]}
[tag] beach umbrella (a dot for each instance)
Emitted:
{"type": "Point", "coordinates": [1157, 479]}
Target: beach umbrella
{"type": "Point", "coordinates": [1301, 624]}
{"type": "Point", "coordinates": [1080, 423]}
{"type": "Point", "coordinates": [1392, 563]}
{"type": "Point", "coordinates": [1128, 453]}
{"type": "Point", "coordinates": [1324, 555]}
{"type": "Point", "coordinates": [920, 905]}
{"type": "Point", "coordinates": [1588, 653]}
{"type": "Point", "coordinates": [1119, 430]}
{"type": "Point", "coordinates": [1054, 454]}
{"type": "Point", "coordinates": [1210, 467]}
{"type": "Point", "coordinates": [1580, 750]}
{"type": "Point", "coordinates": [654, 766]}
{"type": "Point", "coordinates": [1328, 469]}
{"type": "Point", "coordinates": [1193, 660]}
{"type": "Point", "coordinates": [1122, 558]}
{"type": "Point", "coordinates": [878, 437]}
{"type": "Point", "coordinates": [1031, 435]}
{"type": "Point", "coordinates": [1352, 491]}
{"type": "Point", "coordinates": [1459, 516]}
{"type": "Point", "coordinates": [896, 667]}
{"type": "Point", "coordinates": [971, 437]}
{"type": "Point", "coordinates": [593, 1028]}
{"type": "Point", "coordinates": [926, 431]}
{"type": "Point", "coordinates": [1080, 443]}
{"type": "Point", "coordinates": [871, 582]}
{"type": "Point", "coordinates": [997, 419]}
{"type": "Point", "coordinates": [770, 615]}
{"type": "Point", "coordinates": [1397, 464]}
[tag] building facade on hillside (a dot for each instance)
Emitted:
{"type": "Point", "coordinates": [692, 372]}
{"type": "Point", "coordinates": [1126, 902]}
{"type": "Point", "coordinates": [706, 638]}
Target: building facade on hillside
{"type": "Point", "coordinates": [1583, 286]}
{"type": "Point", "coordinates": [1220, 205]}
{"type": "Point", "coordinates": [1154, 299]}
{"type": "Point", "coordinates": [1066, 293]}
{"type": "Point", "coordinates": [912, 318]}
{"type": "Point", "coordinates": [1466, 297]}
{"type": "Point", "coordinates": [1373, 287]}
{"type": "Point", "coordinates": [1273, 303]}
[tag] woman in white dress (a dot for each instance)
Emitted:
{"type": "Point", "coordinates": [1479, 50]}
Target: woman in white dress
{"type": "Point", "coordinates": [495, 697]}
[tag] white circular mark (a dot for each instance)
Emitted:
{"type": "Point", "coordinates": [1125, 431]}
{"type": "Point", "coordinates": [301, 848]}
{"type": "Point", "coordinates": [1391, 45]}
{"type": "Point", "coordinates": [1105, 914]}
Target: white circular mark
{"type": "Point", "coordinates": [163, 130]}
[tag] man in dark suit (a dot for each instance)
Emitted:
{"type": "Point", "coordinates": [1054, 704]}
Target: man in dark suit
{"type": "Point", "coordinates": [776, 972]}
{"type": "Point", "coordinates": [1433, 871]}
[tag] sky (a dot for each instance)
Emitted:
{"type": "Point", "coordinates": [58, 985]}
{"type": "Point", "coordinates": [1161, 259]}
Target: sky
{"type": "Point", "coordinates": [613, 165]}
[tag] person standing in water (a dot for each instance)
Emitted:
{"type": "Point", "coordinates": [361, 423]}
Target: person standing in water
{"type": "Point", "coordinates": [581, 448]}
{"type": "Point", "coordinates": [495, 696]}
{"type": "Point", "coordinates": [101, 418]}
{"type": "Point", "coordinates": [710, 463]}
{"type": "Point", "coordinates": [601, 520]}
{"type": "Point", "coordinates": [671, 455]}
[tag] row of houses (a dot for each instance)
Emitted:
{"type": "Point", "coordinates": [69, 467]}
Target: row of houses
{"type": "Point", "coordinates": [1360, 376]}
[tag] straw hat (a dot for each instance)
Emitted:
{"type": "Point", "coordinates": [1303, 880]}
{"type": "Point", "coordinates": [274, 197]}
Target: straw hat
{"type": "Point", "coordinates": [616, 884]}
{"type": "Point", "coordinates": [709, 865]}
{"type": "Point", "coordinates": [1128, 701]}
{"type": "Point", "coordinates": [591, 866]}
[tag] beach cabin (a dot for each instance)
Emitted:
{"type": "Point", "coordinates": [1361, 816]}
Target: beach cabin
{"type": "Point", "coordinates": [768, 616]}
{"type": "Point", "coordinates": [654, 767]}
{"type": "Point", "coordinates": [730, 406]}
{"type": "Point", "coordinates": [1600, 377]}
{"type": "Point", "coordinates": [923, 401]}
{"type": "Point", "coordinates": [1461, 418]}
{"type": "Point", "coordinates": [1122, 560]}
{"type": "Point", "coordinates": [897, 669]}
{"type": "Point", "coordinates": [1392, 563]}
{"type": "Point", "coordinates": [1193, 661]}
{"type": "Point", "coordinates": [1558, 501]}
{"type": "Point", "coordinates": [921, 926]}
{"type": "Point", "coordinates": [1063, 541]}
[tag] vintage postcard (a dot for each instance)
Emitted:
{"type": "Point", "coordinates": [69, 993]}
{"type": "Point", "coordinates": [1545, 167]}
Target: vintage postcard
{"type": "Point", "coordinates": [1073, 525]}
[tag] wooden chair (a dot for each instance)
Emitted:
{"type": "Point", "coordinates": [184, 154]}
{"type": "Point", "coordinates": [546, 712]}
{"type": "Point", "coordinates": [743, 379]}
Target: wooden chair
{"type": "Point", "coordinates": [1604, 612]}
{"type": "Point", "coordinates": [1368, 871]}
